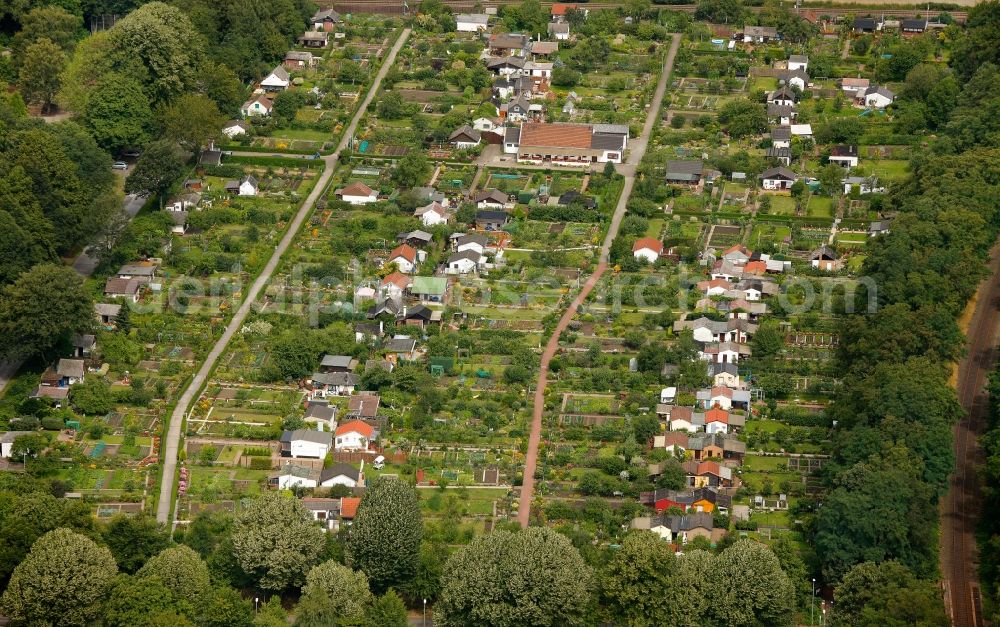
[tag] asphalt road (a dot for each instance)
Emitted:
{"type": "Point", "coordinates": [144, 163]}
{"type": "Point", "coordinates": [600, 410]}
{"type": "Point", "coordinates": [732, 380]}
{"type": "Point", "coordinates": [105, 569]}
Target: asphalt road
{"type": "Point", "coordinates": [173, 437]}
{"type": "Point", "coordinates": [637, 148]}
{"type": "Point", "coordinates": [960, 508]}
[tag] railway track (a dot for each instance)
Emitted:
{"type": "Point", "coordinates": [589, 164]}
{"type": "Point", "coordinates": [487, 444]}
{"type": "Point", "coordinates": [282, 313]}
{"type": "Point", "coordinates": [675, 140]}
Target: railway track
{"type": "Point", "coordinates": [395, 7]}
{"type": "Point", "coordinates": [960, 508]}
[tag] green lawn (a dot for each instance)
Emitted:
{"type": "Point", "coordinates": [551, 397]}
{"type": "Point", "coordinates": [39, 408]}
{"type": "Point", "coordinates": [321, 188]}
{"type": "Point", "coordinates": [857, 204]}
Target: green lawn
{"type": "Point", "coordinates": [766, 83]}
{"type": "Point", "coordinates": [655, 227]}
{"type": "Point", "coordinates": [820, 207]}
{"type": "Point", "coordinates": [782, 205]}
{"type": "Point", "coordinates": [228, 455]}
{"type": "Point", "coordinates": [763, 232]}
{"type": "Point", "coordinates": [854, 262]}
{"type": "Point", "coordinates": [689, 203]}
{"type": "Point", "coordinates": [308, 134]}
{"type": "Point", "coordinates": [758, 462]}
{"type": "Point", "coordinates": [691, 230]}
{"type": "Point", "coordinates": [891, 169]}
{"type": "Point", "coordinates": [772, 519]}
{"type": "Point", "coordinates": [852, 239]}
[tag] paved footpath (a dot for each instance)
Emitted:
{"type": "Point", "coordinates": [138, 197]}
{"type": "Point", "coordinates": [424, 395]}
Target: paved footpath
{"type": "Point", "coordinates": [173, 438]}
{"type": "Point", "coordinates": [636, 151]}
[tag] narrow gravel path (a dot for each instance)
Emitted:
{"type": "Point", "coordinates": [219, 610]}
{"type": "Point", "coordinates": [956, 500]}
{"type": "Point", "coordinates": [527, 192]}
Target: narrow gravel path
{"type": "Point", "coordinates": [637, 148]}
{"type": "Point", "coordinates": [177, 417]}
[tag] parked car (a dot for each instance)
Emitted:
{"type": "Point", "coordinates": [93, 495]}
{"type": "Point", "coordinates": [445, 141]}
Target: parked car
{"type": "Point", "coordinates": [119, 165]}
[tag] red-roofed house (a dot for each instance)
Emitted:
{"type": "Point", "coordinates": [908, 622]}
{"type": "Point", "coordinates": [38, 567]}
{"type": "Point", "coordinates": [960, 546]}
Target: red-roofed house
{"type": "Point", "coordinates": [357, 193]}
{"type": "Point", "coordinates": [755, 267]}
{"type": "Point", "coordinates": [711, 474]}
{"type": "Point", "coordinates": [405, 258]}
{"type": "Point", "coordinates": [559, 9]}
{"type": "Point", "coordinates": [354, 435]}
{"type": "Point", "coordinates": [716, 421]}
{"type": "Point", "coordinates": [715, 287]}
{"type": "Point", "coordinates": [394, 285]}
{"type": "Point", "coordinates": [349, 507]}
{"type": "Point", "coordinates": [737, 254]}
{"type": "Point", "coordinates": [648, 248]}
{"type": "Point", "coordinates": [571, 144]}
{"type": "Point", "coordinates": [672, 441]}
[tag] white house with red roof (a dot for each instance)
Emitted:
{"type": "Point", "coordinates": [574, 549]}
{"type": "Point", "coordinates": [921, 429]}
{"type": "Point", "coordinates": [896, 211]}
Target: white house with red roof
{"type": "Point", "coordinates": [647, 248]}
{"type": "Point", "coordinates": [736, 254]}
{"type": "Point", "coordinates": [357, 193]}
{"type": "Point", "coordinates": [355, 435]}
{"type": "Point", "coordinates": [714, 287]}
{"type": "Point", "coordinates": [394, 285]}
{"type": "Point", "coordinates": [259, 105]}
{"type": "Point", "coordinates": [559, 10]}
{"type": "Point", "coordinates": [716, 421]}
{"type": "Point", "coordinates": [405, 258]}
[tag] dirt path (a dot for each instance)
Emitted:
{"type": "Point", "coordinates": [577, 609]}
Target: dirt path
{"type": "Point", "coordinates": [960, 508]}
{"type": "Point", "coordinates": [177, 417]}
{"type": "Point", "coordinates": [637, 148]}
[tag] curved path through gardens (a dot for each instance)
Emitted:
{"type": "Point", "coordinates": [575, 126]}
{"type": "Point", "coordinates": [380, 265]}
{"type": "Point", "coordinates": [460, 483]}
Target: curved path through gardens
{"type": "Point", "coordinates": [636, 151]}
{"type": "Point", "coordinates": [960, 508]}
{"type": "Point", "coordinates": [172, 442]}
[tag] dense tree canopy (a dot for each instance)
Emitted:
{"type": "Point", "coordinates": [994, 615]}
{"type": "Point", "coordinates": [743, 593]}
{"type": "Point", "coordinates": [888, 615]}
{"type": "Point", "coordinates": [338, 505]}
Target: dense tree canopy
{"type": "Point", "coordinates": [336, 590]}
{"type": "Point", "coordinates": [276, 542]}
{"type": "Point", "coordinates": [62, 581]}
{"type": "Point", "coordinates": [642, 585]}
{"type": "Point", "coordinates": [180, 570]}
{"type": "Point", "coordinates": [888, 594]}
{"type": "Point", "coordinates": [751, 588]}
{"type": "Point", "coordinates": [535, 577]}
{"type": "Point", "coordinates": [385, 537]}
{"type": "Point", "coordinates": [43, 308]}
{"type": "Point", "coordinates": [742, 117]}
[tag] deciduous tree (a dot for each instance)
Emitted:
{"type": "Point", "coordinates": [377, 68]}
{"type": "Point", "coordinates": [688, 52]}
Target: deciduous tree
{"type": "Point", "coordinates": [276, 541]}
{"type": "Point", "coordinates": [44, 307]}
{"type": "Point", "coordinates": [388, 610]}
{"type": "Point", "coordinates": [743, 117]}
{"type": "Point", "coordinates": [144, 601]}
{"type": "Point", "coordinates": [750, 587]}
{"type": "Point", "coordinates": [536, 577]}
{"type": "Point", "coordinates": [191, 121]}
{"type": "Point", "coordinates": [181, 570]}
{"type": "Point", "coordinates": [92, 397]}
{"type": "Point", "coordinates": [345, 589]}
{"type": "Point", "coordinates": [411, 170]}
{"type": "Point", "coordinates": [41, 67]}
{"type": "Point", "coordinates": [62, 581]}
{"type": "Point", "coordinates": [873, 594]}
{"type": "Point", "coordinates": [159, 41]}
{"type": "Point", "coordinates": [385, 536]}
{"type": "Point", "coordinates": [49, 22]}
{"type": "Point", "coordinates": [133, 540]}
{"type": "Point", "coordinates": [158, 167]}
{"type": "Point", "coordinates": [19, 250]}
{"type": "Point", "coordinates": [642, 585]}
{"type": "Point", "coordinates": [117, 112]}
{"type": "Point", "coordinates": [226, 607]}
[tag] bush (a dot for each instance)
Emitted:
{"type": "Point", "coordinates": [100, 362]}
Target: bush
{"type": "Point", "coordinates": [52, 423]}
{"type": "Point", "coordinates": [746, 525]}
{"type": "Point", "coordinates": [260, 463]}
